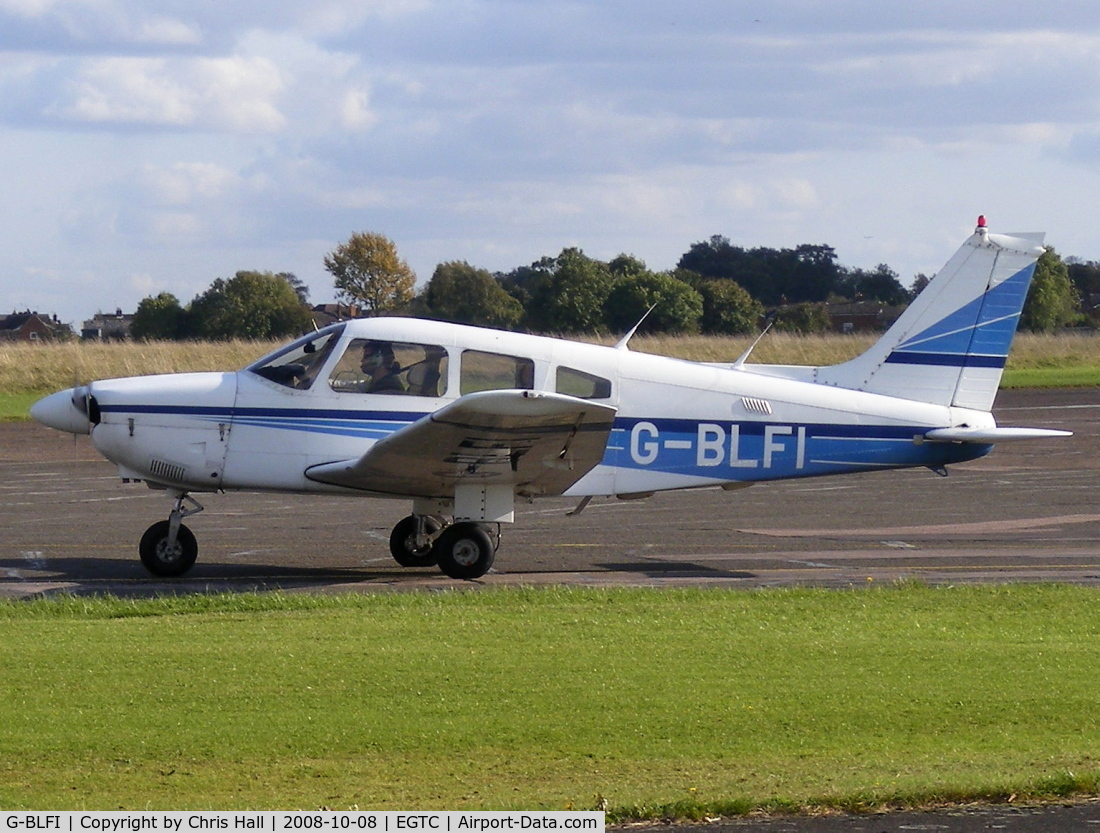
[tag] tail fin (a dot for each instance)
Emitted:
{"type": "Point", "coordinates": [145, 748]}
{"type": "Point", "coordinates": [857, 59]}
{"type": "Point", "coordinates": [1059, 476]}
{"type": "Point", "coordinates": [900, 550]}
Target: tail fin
{"type": "Point", "coordinates": [950, 345]}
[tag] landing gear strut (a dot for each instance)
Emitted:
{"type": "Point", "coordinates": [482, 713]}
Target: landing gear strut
{"type": "Point", "coordinates": [168, 548]}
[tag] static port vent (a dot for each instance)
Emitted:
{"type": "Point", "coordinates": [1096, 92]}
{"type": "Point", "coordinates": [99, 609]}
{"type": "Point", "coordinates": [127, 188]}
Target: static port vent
{"type": "Point", "coordinates": [166, 471]}
{"type": "Point", "coordinates": [756, 406]}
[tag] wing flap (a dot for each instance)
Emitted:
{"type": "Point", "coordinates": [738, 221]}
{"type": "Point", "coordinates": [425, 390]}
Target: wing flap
{"type": "Point", "coordinates": [539, 443]}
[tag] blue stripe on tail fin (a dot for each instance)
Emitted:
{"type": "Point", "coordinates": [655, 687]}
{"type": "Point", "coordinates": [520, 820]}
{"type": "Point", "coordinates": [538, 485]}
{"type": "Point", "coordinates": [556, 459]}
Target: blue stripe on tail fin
{"type": "Point", "coordinates": [977, 335]}
{"type": "Point", "coordinates": [950, 346]}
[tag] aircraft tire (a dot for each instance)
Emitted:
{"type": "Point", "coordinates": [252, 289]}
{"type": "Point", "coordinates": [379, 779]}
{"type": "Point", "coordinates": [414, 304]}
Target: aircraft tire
{"type": "Point", "coordinates": [465, 551]}
{"type": "Point", "coordinates": [403, 543]}
{"type": "Point", "coordinates": [159, 559]}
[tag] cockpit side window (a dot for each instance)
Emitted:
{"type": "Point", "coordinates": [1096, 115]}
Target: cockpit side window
{"type": "Point", "coordinates": [298, 364]}
{"type": "Point", "coordinates": [493, 371]}
{"type": "Point", "coordinates": [390, 367]}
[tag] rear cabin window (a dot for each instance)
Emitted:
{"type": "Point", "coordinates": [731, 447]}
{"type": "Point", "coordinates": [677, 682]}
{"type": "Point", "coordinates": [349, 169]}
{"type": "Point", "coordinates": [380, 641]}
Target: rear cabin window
{"type": "Point", "coordinates": [493, 371]}
{"type": "Point", "coordinates": [390, 367]}
{"type": "Point", "coordinates": [581, 385]}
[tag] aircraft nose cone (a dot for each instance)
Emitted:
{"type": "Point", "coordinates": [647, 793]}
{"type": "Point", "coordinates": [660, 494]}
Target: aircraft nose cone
{"type": "Point", "coordinates": [59, 411]}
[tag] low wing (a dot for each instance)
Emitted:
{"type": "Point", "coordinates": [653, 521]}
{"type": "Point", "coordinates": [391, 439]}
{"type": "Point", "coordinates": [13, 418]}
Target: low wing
{"type": "Point", "coordinates": [539, 443]}
{"type": "Point", "coordinates": [991, 435]}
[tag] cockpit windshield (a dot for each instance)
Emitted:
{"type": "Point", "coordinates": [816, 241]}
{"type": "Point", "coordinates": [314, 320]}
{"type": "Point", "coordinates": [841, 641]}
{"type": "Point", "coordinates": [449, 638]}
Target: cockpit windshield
{"type": "Point", "coordinates": [298, 364]}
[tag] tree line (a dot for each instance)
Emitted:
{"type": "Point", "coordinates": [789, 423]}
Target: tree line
{"type": "Point", "coordinates": [716, 288]}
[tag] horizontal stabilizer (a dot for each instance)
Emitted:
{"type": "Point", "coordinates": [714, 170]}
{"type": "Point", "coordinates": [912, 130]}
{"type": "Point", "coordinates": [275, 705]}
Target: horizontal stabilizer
{"type": "Point", "coordinates": [991, 435]}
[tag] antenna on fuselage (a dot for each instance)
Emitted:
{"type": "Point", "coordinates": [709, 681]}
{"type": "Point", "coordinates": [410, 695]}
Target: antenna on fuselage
{"type": "Point", "coordinates": [737, 365]}
{"type": "Point", "coordinates": [622, 343]}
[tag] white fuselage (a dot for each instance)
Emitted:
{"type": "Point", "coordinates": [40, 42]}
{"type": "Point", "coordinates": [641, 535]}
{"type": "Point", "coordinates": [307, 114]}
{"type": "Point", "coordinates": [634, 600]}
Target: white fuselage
{"type": "Point", "coordinates": [679, 424]}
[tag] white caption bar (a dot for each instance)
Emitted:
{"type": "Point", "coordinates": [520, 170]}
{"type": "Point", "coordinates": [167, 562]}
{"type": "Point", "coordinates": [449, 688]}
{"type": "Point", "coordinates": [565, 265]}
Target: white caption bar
{"type": "Point", "coordinates": [451, 821]}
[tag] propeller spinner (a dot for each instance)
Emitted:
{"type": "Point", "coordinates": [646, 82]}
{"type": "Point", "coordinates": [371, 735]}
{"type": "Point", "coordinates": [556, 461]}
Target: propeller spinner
{"type": "Point", "coordinates": [73, 410]}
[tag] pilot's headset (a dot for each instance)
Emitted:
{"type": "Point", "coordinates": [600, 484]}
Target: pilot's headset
{"type": "Point", "coordinates": [376, 355]}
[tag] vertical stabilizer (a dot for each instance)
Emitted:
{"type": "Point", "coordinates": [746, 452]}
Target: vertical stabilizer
{"type": "Point", "coordinates": [950, 345]}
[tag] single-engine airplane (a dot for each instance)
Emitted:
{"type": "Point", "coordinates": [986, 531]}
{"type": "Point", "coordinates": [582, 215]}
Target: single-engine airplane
{"type": "Point", "coordinates": [462, 420]}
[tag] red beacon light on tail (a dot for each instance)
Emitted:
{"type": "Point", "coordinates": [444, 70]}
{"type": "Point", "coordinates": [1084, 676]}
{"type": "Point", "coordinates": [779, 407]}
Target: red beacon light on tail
{"type": "Point", "coordinates": [981, 221]}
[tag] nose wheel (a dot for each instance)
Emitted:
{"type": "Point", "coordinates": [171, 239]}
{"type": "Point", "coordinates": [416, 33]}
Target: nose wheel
{"type": "Point", "coordinates": [168, 548]}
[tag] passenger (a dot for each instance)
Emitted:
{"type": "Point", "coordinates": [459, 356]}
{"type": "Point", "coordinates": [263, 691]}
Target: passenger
{"type": "Point", "coordinates": [382, 369]}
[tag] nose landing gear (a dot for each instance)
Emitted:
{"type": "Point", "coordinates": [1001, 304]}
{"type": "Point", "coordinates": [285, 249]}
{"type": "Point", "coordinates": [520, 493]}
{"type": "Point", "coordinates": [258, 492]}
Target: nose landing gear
{"type": "Point", "coordinates": [168, 548]}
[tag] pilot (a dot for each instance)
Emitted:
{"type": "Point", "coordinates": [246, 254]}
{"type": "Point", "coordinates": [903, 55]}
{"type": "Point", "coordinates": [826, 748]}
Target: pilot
{"type": "Point", "coordinates": [381, 368]}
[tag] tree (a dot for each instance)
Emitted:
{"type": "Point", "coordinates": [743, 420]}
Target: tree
{"type": "Point", "coordinates": [880, 285]}
{"type": "Point", "coordinates": [257, 305]}
{"type": "Point", "coordinates": [727, 308]}
{"type": "Point", "coordinates": [524, 282]}
{"type": "Point", "coordinates": [920, 281]}
{"type": "Point", "coordinates": [677, 307]}
{"type": "Point", "coordinates": [772, 276]}
{"type": "Point", "coordinates": [159, 317]}
{"type": "Point", "coordinates": [571, 298]}
{"type": "Point", "coordinates": [627, 266]}
{"type": "Point", "coordinates": [459, 292]}
{"type": "Point", "coordinates": [1052, 300]}
{"type": "Point", "coordinates": [803, 318]}
{"type": "Point", "coordinates": [368, 272]}
{"type": "Point", "coordinates": [298, 285]}
{"type": "Point", "coordinates": [1085, 275]}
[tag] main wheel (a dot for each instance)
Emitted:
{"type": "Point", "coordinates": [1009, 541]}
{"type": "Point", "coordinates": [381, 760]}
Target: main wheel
{"type": "Point", "coordinates": [159, 558]}
{"type": "Point", "coordinates": [403, 546]}
{"type": "Point", "coordinates": [464, 551]}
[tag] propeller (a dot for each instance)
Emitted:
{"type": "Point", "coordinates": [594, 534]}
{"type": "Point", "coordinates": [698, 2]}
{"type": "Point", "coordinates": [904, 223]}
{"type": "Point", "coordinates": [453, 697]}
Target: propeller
{"type": "Point", "coordinates": [84, 402]}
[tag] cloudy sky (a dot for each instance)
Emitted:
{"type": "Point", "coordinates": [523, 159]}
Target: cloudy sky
{"type": "Point", "coordinates": [157, 145]}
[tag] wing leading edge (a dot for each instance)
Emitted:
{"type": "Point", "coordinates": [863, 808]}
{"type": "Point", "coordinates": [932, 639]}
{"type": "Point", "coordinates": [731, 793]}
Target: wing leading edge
{"type": "Point", "coordinates": [537, 442]}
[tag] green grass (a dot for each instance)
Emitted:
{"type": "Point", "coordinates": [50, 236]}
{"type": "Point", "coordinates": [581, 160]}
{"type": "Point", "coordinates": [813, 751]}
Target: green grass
{"type": "Point", "coordinates": [1052, 377]}
{"type": "Point", "coordinates": [15, 407]}
{"type": "Point", "coordinates": [672, 701]}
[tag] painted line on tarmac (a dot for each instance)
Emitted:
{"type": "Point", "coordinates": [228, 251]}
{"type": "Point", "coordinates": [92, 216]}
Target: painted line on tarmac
{"type": "Point", "coordinates": [976, 527]}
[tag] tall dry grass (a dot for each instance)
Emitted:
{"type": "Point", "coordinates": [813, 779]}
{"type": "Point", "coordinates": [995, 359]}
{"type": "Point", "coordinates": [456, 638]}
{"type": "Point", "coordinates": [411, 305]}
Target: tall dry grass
{"type": "Point", "coordinates": [1029, 350]}
{"type": "Point", "coordinates": [773, 348]}
{"type": "Point", "coordinates": [40, 368]}
{"type": "Point", "coordinates": [34, 368]}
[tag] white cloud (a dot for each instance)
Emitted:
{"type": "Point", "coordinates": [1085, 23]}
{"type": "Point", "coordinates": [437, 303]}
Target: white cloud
{"type": "Point", "coordinates": [236, 94]}
{"type": "Point", "coordinates": [95, 22]}
{"type": "Point", "coordinates": [27, 8]}
{"type": "Point", "coordinates": [129, 90]}
{"type": "Point", "coordinates": [181, 141]}
{"type": "Point", "coordinates": [355, 112]}
{"type": "Point", "coordinates": [185, 182]}
{"type": "Point", "coordinates": [166, 30]}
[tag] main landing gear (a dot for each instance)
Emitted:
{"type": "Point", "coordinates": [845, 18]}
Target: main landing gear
{"type": "Point", "coordinates": [462, 550]}
{"type": "Point", "coordinates": [168, 548]}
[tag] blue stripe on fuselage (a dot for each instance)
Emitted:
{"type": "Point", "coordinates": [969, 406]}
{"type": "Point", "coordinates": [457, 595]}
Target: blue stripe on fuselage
{"type": "Point", "coordinates": [356, 424]}
{"type": "Point", "coordinates": [719, 450]}
{"type": "Point", "coordinates": [747, 451]}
